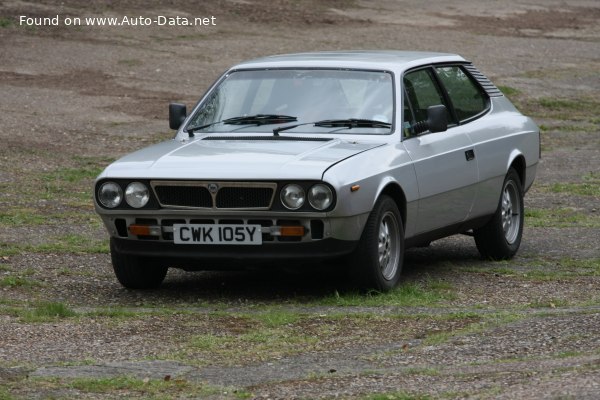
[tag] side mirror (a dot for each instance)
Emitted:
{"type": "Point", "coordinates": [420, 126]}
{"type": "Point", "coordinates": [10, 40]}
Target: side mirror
{"type": "Point", "coordinates": [177, 114]}
{"type": "Point", "coordinates": [437, 118]}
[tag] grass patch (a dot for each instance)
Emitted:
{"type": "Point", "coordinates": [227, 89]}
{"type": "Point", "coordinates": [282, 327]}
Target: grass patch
{"type": "Point", "coordinates": [560, 218]}
{"type": "Point", "coordinates": [6, 22]}
{"type": "Point", "coordinates": [422, 371]}
{"type": "Point", "coordinates": [21, 216]}
{"type": "Point", "coordinates": [553, 270]}
{"type": "Point", "coordinates": [130, 387]}
{"type": "Point", "coordinates": [478, 326]}
{"type": "Point", "coordinates": [46, 312]}
{"type": "Point", "coordinates": [569, 128]}
{"type": "Point", "coordinates": [72, 183]}
{"type": "Point", "coordinates": [407, 294]}
{"type": "Point", "coordinates": [589, 187]}
{"type": "Point", "coordinates": [209, 342]}
{"type": "Point", "coordinates": [259, 344]}
{"type": "Point", "coordinates": [548, 303]}
{"type": "Point", "coordinates": [18, 281]}
{"type": "Point", "coordinates": [578, 109]}
{"type": "Point", "coordinates": [556, 104]}
{"type": "Point", "coordinates": [260, 337]}
{"type": "Point", "coordinates": [509, 91]}
{"type": "Point", "coordinates": [395, 396]}
{"type": "Point", "coordinates": [70, 243]}
{"type": "Point", "coordinates": [113, 312]}
{"type": "Point", "coordinates": [278, 317]}
{"type": "Point", "coordinates": [130, 62]}
{"type": "Point", "coordinates": [565, 268]}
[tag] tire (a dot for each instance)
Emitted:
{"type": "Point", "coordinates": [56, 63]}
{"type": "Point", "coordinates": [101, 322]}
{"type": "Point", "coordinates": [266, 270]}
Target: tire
{"type": "Point", "coordinates": [500, 238]}
{"type": "Point", "coordinates": [378, 259]}
{"type": "Point", "coordinates": [135, 272]}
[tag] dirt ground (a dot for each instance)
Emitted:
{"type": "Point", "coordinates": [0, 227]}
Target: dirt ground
{"type": "Point", "coordinates": [74, 98]}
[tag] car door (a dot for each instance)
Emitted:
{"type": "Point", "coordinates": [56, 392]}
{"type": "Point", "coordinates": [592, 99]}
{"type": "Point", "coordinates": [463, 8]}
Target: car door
{"type": "Point", "coordinates": [444, 161]}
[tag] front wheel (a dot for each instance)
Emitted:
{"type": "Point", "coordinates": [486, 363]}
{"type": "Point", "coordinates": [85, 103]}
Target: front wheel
{"type": "Point", "coordinates": [135, 272]}
{"type": "Point", "coordinates": [500, 238]}
{"type": "Point", "coordinates": [377, 263]}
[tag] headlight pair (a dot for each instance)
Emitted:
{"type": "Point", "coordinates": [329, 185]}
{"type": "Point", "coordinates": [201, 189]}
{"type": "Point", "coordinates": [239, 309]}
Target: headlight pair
{"type": "Point", "coordinates": [293, 196]}
{"type": "Point", "coordinates": [110, 195]}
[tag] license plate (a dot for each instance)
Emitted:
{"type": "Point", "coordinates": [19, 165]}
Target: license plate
{"type": "Point", "coordinates": [217, 234]}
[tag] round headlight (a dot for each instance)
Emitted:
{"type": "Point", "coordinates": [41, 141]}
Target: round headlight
{"type": "Point", "coordinates": [137, 194]}
{"type": "Point", "coordinates": [320, 197]}
{"type": "Point", "coordinates": [292, 196]}
{"type": "Point", "coordinates": [110, 195]}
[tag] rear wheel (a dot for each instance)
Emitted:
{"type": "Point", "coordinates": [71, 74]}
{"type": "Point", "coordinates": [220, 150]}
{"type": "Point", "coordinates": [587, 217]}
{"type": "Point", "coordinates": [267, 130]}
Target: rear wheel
{"type": "Point", "coordinates": [377, 263]}
{"type": "Point", "coordinates": [500, 238]}
{"type": "Point", "coordinates": [135, 272]}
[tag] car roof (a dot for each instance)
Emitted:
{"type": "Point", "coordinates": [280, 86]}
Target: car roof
{"type": "Point", "coordinates": [367, 59]}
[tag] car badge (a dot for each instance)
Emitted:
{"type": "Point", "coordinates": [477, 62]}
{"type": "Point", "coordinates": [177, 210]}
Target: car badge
{"type": "Point", "coordinates": [213, 187]}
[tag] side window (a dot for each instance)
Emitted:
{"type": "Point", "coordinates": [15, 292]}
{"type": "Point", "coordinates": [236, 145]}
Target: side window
{"type": "Point", "coordinates": [467, 98]}
{"type": "Point", "coordinates": [423, 91]}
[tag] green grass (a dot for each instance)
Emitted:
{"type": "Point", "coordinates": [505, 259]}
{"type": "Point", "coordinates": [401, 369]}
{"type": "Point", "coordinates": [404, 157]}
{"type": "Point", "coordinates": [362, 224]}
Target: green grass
{"type": "Point", "coordinates": [560, 218]}
{"type": "Point", "coordinates": [509, 91]}
{"type": "Point", "coordinates": [260, 344]}
{"type": "Point", "coordinates": [575, 127]}
{"type": "Point", "coordinates": [68, 195]}
{"type": "Point", "coordinates": [278, 317]}
{"type": "Point", "coordinates": [407, 295]}
{"type": "Point", "coordinates": [131, 387]}
{"type": "Point", "coordinates": [47, 312]}
{"type": "Point", "coordinates": [556, 104]}
{"type": "Point", "coordinates": [395, 396]}
{"type": "Point", "coordinates": [70, 243]}
{"type": "Point", "coordinates": [71, 184]}
{"type": "Point", "coordinates": [478, 326]}
{"type": "Point", "coordinates": [5, 393]}
{"type": "Point", "coordinates": [6, 22]}
{"type": "Point", "coordinates": [113, 313]}
{"type": "Point", "coordinates": [21, 216]}
{"type": "Point", "coordinates": [541, 270]}
{"type": "Point", "coordinates": [565, 268]}
{"type": "Point", "coordinates": [578, 109]}
{"type": "Point", "coordinates": [18, 281]}
{"type": "Point", "coordinates": [130, 62]}
{"type": "Point", "coordinates": [589, 187]}
{"type": "Point", "coordinates": [428, 371]}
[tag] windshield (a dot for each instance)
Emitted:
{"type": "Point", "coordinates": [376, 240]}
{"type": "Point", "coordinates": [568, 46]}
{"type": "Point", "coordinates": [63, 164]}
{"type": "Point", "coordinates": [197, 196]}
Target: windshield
{"type": "Point", "coordinates": [306, 95]}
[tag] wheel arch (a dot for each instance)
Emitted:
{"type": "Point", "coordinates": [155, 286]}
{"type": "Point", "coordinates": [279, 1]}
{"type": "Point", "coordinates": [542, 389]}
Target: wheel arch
{"type": "Point", "coordinates": [394, 190]}
{"type": "Point", "coordinates": [518, 163]}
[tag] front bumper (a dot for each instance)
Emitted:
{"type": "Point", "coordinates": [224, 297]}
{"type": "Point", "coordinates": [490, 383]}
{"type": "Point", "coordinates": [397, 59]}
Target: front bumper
{"type": "Point", "coordinates": [190, 255]}
{"type": "Point", "coordinates": [318, 226]}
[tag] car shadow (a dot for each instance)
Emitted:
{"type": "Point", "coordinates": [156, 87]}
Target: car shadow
{"type": "Point", "coordinates": [302, 283]}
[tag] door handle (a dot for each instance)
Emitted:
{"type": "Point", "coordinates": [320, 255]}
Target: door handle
{"type": "Point", "coordinates": [470, 155]}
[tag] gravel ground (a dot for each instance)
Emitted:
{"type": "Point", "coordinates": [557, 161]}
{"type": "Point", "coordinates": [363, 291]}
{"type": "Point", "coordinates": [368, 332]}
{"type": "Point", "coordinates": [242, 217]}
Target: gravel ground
{"type": "Point", "coordinates": [75, 98]}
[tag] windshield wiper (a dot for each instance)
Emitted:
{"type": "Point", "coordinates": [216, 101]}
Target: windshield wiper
{"type": "Point", "coordinates": [341, 123]}
{"type": "Point", "coordinates": [258, 119]}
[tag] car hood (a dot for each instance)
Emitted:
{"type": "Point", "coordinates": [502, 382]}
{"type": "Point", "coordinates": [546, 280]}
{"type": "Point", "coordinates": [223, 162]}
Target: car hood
{"type": "Point", "coordinates": [238, 158]}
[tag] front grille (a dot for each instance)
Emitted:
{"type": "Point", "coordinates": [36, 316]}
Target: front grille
{"type": "Point", "coordinates": [222, 195]}
{"type": "Point", "coordinates": [244, 197]}
{"type": "Point", "coordinates": [183, 196]}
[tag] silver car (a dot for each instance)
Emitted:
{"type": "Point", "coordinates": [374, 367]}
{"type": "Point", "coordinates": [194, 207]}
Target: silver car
{"type": "Point", "coordinates": [355, 155]}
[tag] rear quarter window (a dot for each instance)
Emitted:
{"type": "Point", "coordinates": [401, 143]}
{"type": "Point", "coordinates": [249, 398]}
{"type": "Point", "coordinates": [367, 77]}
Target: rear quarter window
{"type": "Point", "coordinates": [467, 98]}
